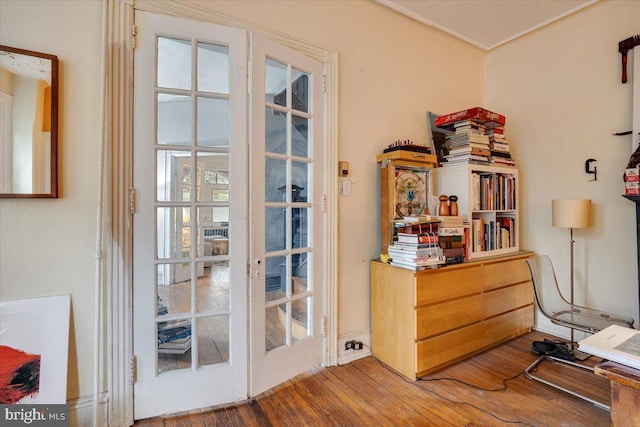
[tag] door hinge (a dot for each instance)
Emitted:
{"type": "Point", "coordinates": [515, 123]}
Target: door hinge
{"type": "Point", "coordinates": [133, 369]}
{"type": "Point", "coordinates": [324, 83]}
{"type": "Point", "coordinates": [324, 203]}
{"type": "Point", "coordinates": [248, 269]}
{"type": "Point", "coordinates": [134, 35]}
{"type": "Point", "coordinates": [132, 201]}
{"type": "Point", "coordinates": [323, 326]}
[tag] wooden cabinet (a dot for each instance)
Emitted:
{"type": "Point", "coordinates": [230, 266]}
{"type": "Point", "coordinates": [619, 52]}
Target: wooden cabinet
{"type": "Point", "coordinates": [406, 187]}
{"type": "Point", "coordinates": [488, 198]}
{"type": "Point", "coordinates": [422, 321]}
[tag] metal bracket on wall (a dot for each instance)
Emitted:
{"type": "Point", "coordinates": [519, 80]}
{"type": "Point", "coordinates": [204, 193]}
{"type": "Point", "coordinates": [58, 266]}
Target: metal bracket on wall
{"type": "Point", "coordinates": [587, 169]}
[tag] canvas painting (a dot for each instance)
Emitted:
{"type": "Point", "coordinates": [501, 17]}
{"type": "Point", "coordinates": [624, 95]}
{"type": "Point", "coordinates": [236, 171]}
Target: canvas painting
{"type": "Point", "coordinates": [34, 344]}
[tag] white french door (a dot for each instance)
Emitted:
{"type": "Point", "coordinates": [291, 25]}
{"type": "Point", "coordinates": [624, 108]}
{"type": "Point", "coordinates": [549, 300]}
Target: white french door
{"type": "Point", "coordinates": [286, 213]}
{"type": "Point", "coordinates": [190, 228]}
{"type": "Point", "coordinates": [227, 297]}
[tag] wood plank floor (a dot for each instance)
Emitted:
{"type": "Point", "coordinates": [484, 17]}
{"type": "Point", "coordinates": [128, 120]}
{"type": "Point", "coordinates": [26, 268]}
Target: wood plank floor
{"type": "Point", "coordinates": [367, 393]}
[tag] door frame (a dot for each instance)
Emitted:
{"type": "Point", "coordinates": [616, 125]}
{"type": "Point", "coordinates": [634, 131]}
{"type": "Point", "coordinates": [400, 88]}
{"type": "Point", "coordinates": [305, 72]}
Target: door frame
{"type": "Point", "coordinates": [116, 277]}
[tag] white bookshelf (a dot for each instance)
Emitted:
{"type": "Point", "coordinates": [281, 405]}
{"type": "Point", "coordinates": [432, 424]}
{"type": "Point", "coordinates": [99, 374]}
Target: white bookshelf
{"type": "Point", "coordinates": [497, 219]}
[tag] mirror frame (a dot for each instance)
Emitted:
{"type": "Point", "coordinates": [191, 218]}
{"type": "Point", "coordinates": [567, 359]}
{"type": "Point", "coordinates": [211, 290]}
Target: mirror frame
{"type": "Point", "coordinates": [54, 124]}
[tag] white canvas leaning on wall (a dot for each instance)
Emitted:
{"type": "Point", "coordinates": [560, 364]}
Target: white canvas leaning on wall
{"type": "Point", "coordinates": [34, 344]}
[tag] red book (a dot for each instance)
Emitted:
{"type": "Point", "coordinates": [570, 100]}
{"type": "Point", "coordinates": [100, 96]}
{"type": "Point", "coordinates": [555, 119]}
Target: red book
{"type": "Point", "coordinates": [477, 114]}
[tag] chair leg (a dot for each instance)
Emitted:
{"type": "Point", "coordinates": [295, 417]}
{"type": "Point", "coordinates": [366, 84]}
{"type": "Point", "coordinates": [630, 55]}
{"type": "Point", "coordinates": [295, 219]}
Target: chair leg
{"type": "Point", "coordinates": [556, 386]}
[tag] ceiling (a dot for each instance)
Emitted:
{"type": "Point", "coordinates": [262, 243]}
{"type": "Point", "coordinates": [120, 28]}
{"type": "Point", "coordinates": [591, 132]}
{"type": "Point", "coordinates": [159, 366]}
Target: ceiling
{"type": "Point", "coordinates": [487, 23]}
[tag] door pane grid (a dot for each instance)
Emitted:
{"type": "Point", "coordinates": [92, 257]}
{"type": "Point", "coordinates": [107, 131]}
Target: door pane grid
{"type": "Point", "coordinates": [293, 182]}
{"type": "Point", "coordinates": [193, 119]}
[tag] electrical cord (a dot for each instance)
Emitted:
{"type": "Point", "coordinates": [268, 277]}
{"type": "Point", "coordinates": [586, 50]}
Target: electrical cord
{"type": "Point", "coordinates": [458, 402]}
{"type": "Point", "coordinates": [504, 382]}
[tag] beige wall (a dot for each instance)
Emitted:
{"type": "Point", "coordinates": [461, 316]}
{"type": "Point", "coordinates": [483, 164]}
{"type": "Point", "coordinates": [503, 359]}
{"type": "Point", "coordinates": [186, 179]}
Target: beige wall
{"type": "Point", "coordinates": [47, 246]}
{"type": "Point", "coordinates": [560, 89]}
{"type": "Point", "coordinates": [392, 70]}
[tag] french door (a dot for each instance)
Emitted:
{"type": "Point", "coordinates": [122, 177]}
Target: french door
{"type": "Point", "coordinates": [190, 233]}
{"type": "Point", "coordinates": [227, 296]}
{"type": "Point", "coordinates": [286, 213]}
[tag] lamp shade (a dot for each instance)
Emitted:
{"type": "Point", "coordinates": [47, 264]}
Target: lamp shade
{"type": "Point", "coordinates": [571, 213]}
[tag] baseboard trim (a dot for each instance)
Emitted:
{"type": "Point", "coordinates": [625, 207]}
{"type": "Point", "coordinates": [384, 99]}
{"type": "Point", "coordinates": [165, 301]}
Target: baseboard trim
{"type": "Point", "coordinates": [348, 356]}
{"type": "Point", "coordinates": [81, 411]}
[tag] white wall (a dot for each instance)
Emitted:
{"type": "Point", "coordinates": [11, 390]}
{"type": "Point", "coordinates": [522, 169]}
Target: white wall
{"type": "Point", "coordinates": [47, 245]}
{"type": "Point", "coordinates": [560, 89]}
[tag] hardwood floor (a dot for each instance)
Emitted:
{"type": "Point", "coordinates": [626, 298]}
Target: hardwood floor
{"type": "Point", "coordinates": [367, 393]}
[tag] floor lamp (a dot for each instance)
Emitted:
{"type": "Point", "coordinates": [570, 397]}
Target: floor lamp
{"type": "Point", "coordinates": [571, 213]}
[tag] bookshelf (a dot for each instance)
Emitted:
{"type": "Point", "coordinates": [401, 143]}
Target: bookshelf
{"type": "Point", "coordinates": [488, 198]}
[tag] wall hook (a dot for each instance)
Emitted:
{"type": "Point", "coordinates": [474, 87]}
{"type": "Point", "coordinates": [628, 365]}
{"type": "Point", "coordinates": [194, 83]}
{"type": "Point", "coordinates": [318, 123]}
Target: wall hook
{"type": "Point", "coordinates": [587, 168]}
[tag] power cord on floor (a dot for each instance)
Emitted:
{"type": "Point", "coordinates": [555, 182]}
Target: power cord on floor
{"type": "Point", "coordinates": [504, 382]}
{"type": "Point", "coordinates": [457, 402]}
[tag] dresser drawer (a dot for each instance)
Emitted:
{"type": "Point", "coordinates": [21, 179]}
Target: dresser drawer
{"type": "Point", "coordinates": [436, 319]}
{"type": "Point", "coordinates": [443, 285]}
{"type": "Point", "coordinates": [506, 299]}
{"type": "Point", "coordinates": [437, 352]}
{"type": "Point", "coordinates": [506, 273]}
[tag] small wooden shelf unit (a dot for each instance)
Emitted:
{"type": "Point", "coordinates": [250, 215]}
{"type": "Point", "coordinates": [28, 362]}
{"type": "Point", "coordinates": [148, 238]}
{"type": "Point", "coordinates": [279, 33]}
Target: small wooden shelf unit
{"type": "Point", "coordinates": [425, 320]}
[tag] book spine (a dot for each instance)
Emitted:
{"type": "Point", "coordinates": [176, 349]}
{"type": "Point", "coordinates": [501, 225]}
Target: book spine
{"type": "Point", "coordinates": [166, 337]}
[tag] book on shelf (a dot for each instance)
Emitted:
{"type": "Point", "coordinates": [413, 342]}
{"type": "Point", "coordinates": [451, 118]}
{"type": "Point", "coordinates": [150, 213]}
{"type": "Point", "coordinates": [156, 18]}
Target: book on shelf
{"type": "Point", "coordinates": [174, 334]}
{"type": "Point", "coordinates": [451, 221]}
{"type": "Point", "coordinates": [172, 324]}
{"type": "Point", "coordinates": [467, 242]}
{"type": "Point", "coordinates": [424, 239]}
{"type": "Point", "coordinates": [452, 245]}
{"type": "Point", "coordinates": [415, 266]}
{"type": "Point", "coordinates": [417, 228]}
{"type": "Point", "coordinates": [499, 146]}
{"type": "Point", "coordinates": [450, 238]}
{"type": "Point", "coordinates": [414, 218]}
{"type": "Point", "coordinates": [615, 343]}
{"type": "Point", "coordinates": [410, 252]}
{"type": "Point", "coordinates": [451, 231]}
{"type": "Point", "coordinates": [477, 114]}
{"type": "Point", "coordinates": [179, 344]}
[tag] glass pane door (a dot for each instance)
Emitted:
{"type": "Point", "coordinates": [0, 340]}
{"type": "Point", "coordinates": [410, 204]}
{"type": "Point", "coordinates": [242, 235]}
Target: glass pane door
{"type": "Point", "coordinates": [190, 327]}
{"type": "Point", "coordinates": [286, 194]}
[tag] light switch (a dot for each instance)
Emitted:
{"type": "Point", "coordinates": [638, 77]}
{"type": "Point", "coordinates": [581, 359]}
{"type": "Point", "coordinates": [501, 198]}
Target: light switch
{"type": "Point", "coordinates": [346, 187]}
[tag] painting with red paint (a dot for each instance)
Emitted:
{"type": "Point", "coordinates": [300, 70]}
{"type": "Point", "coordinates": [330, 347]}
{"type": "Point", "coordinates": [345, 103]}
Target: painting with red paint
{"type": "Point", "coordinates": [19, 375]}
{"type": "Point", "coordinates": [34, 341]}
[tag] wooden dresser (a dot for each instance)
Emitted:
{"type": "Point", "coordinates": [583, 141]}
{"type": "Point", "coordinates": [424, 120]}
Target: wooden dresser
{"type": "Point", "coordinates": [422, 321]}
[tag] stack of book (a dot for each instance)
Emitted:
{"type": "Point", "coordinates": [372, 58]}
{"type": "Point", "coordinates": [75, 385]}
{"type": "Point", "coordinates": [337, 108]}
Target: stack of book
{"type": "Point", "coordinates": [174, 336]}
{"type": "Point", "coordinates": [478, 137]}
{"type": "Point", "coordinates": [451, 233]}
{"type": "Point", "coordinates": [500, 152]}
{"type": "Point", "coordinates": [416, 246]}
{"type": "Point", "coordinates": [468, 143]}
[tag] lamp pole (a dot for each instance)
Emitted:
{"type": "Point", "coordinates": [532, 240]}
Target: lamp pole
{"type": "Point", "coordinates": [571, 282]}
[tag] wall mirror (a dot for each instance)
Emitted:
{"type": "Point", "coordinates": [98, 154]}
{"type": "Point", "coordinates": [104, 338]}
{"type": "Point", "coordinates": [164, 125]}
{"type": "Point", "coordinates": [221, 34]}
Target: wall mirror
{"type": "Point", "coordinates": [28, 123]}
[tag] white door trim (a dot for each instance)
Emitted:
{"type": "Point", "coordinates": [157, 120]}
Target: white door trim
{"type": "Point", "coordinates": [117, 280]}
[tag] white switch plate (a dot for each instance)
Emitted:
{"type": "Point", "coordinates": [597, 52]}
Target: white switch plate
{"type": "Point", "coordinates": [346, 187]}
